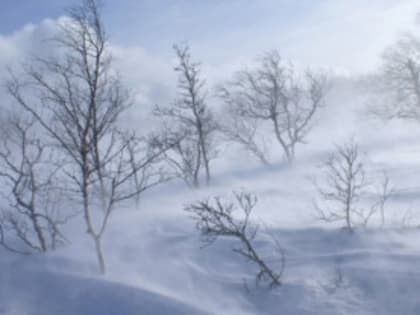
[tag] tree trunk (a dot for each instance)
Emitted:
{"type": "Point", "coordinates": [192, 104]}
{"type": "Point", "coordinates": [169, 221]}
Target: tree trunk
{"type": "Point", "coordinates": [99, 255]}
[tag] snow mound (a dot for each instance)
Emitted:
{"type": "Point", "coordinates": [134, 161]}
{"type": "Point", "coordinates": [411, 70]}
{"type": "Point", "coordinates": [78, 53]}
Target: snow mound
{"type": "Point", "coordinates": [29, 290]}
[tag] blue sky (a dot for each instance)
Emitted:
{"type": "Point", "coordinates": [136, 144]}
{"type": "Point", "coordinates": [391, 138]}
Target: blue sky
{"type": "Point", "coordinates": [201, 19]}
{"type": "Point", "coordinates": [341, 36]}
{"type": "Point", "coordinates": [348, 35]}
{"type": "Point", "coordinates": [14, 14]}
{"type": "Point", "coordinates": [159, 23]}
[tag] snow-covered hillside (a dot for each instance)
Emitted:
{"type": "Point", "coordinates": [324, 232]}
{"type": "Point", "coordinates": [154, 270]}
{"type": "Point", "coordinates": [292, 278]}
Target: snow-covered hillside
{"type": "Point", "coordinates": [157, 266]}
{"type": "Point", "coordinates": [269, 166]}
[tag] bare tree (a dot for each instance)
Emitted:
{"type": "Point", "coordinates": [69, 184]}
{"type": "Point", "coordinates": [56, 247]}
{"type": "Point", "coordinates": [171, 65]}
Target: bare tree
{"type": "Point", "coordinates": [215, 218]}
{"type": "Point", "coordinates": [384, 193]}
{"type": "Point", "coordinates": [344, 187]}
{"type": "Point", "coordinates": [30, 216]}
{"type": "Point", "coordinates": [398, 82]}
{"type": "Point", "coordinates": [344, 183]}
{"type": "Point", "coordinates": [273, 94]}
{"type": "Point", "coordinates": [244, 131]}
{"type": "Point", "coordinates": [77, 98]}
{"type": "Point", "coordinates": [189, 123]}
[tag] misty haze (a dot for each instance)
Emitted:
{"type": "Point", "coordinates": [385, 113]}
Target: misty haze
{"type": "Point", "coordinates": [209, 157]}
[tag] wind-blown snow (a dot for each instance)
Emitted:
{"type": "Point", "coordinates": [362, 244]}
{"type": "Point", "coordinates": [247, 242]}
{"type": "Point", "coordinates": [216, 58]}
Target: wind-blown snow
{"type": "Point", "coordinates": [157, 266]}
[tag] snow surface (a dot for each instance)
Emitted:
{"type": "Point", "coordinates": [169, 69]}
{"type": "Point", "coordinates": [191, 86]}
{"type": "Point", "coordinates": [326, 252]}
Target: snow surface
{"type": "Point", "coordinates": [157, 266]}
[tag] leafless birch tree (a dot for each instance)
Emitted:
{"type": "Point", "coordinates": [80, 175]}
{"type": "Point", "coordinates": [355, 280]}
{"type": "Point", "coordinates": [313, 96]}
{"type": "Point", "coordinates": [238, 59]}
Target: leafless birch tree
{"type": "Point", "coordinates": [276, 96]}
{"type": "Point", "coordinates": [385, 192]}
{"type": "Point", "coordinates": [188, 125]}
{"type": "Point", "coordinates": [30, 215]}
{"type": "Point", "coordinates": [345, 185]}
{"type": "Point", "coordinates": [215, 218]}
{"type": "Point", "coordinates": [397, 85]}
{"type": "Point", "coordinates": [77, 98]}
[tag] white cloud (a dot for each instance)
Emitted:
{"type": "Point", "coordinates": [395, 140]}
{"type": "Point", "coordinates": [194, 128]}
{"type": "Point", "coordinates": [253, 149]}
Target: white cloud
{"type": "Point", "coordinates": [346, 36]}
{"type": "Point", "coordinates": [150, 79]}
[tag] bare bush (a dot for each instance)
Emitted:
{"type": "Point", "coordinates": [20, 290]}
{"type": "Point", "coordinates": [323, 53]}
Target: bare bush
{"type": "Point", "coordinates": [77, 98]}
{"type": "Point", "coordinates": [189, 123]}
{"type": "Point", "coordinates": [30, 215]}
{"type": "Point", "coordinates": [273, 95]}
{"type": "Point", "coordinates": [215, 218]}
{"type": "Point", "coordinates": [344, 186]}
